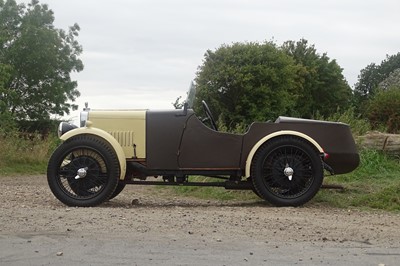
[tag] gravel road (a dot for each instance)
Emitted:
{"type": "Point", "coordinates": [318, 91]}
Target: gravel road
{"type": "Point", "coordinates": [150, 226]}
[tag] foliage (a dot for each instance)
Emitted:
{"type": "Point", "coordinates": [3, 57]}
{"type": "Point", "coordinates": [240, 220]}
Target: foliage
{"type": "Point", "coordinates": [246, 82]}
{"type": "Point", "coordinates": [239, 128]}
{"type": "Point", "coordinates": [391, 81]}
{"type": "Point", "coordinates": [7, 124]}
{"type": "Point", "coordinates": [36, 60]}
{"type": "Point", "coordinates": [25, 153]}
{"type": "Point", "coordinates": [178, 104]}
{"type": "Point", "coordinates": [359, 125]}
{"type": "Point", "coordinates": [384, 108]}
{"type": "Point", "coordinates": [323, 86]}
{"type": "Point", "coordinates": [372, 75]}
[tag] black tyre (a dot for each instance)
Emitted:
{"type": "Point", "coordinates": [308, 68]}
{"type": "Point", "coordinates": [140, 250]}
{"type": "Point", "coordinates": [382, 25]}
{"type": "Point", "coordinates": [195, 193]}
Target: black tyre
{"type": "Point", "coordinates": [287, 171]}
{"type": "Point", "coordinates": [117, 190]}
{"type": "Point", "coordinates": [83, 171]}
{"type": "Point", "coordinates": [253, 188]}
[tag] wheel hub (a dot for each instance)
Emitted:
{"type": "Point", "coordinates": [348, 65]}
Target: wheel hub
{"type": "Point", "coordinates": [81, 173]}
{"type": "Point", "coordinates": [288, 171]}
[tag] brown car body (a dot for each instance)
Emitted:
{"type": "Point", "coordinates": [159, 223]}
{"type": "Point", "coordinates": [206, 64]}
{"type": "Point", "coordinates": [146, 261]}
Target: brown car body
{"type": "Point", "coordinates": [183, 142]}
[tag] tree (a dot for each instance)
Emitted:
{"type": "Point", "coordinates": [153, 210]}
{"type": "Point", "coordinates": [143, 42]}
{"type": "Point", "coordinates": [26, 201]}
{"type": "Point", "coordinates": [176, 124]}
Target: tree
{"type": "Point", "coordinates": [384, 109]}
{"type": "Point", "coordinates": [37, 59]}
{"type": "Point", "coordinates": [392, 80]}
{"type": "Point", "coordinates": [6, 120]}
{"type": "Point", "coordinates": [372, 75]}
{"type": "Point", "coordinates": [324, 88]}
{"type": "Point", "coordinates": [246, 82]}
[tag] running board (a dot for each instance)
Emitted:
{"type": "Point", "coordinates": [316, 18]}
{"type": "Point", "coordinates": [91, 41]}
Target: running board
{"type": "Point", "coordinates": [227, 184]}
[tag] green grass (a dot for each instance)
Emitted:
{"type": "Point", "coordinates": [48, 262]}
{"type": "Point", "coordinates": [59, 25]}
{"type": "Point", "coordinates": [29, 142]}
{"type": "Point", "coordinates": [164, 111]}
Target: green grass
{"type": "Point", "coordinates": [212, 192]}
{"type": "Point", "coordinates": [375, 184]}
{"type": "Point", "coordinates": [19, 155]}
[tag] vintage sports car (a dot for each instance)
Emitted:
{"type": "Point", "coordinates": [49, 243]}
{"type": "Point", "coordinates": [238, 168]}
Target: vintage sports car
{"type": "Point", "coordinates": [283, 162]}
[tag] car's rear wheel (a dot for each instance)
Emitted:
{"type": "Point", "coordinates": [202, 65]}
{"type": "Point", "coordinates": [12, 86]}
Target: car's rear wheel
{"type": "Point", "coordinates": [287, 171]}
{"type": "Point", "coordinates": [83, 171]}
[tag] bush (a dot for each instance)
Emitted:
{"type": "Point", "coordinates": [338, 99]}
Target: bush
{"type": "Point", "coordinates": [21, 155]}
{"type": "Point", "coordinates": [384, 108]}
{"type": "Point", "coordinates": [359, 126]}
{"type": "Point", "coordinates": [7, 123]}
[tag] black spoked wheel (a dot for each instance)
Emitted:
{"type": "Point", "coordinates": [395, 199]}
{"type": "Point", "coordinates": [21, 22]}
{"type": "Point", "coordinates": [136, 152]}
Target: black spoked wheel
{"type": "Point", "coordinates": [83, 171]}
{"type": "Point", "coordinates": [253, 188]}
{"type": "Point", "coordinates": [118, 190]}
{"type": "Point", "coordinates": [287, 171]}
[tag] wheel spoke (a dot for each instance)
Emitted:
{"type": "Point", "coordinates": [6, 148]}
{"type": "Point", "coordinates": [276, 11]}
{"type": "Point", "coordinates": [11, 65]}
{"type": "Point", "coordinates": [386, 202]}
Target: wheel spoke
{"type": "Point", "coordinates": [276, 180]}
{"type": "Point", "coordinates": [91, 182]}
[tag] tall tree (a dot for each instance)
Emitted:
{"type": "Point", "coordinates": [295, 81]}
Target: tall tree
{"type": "Point", "coordinates": [37, 59]}
{"type": "Point", "coordinates": [246, 82]}
{"type": "Point", "coordinates": [372, 75]}
{"type": "Point", "coordinates": [324, 88]}
{"type": "Point", "coordinates": [250, 81]}
{"type": "Point", "coordinates": [393, 80]}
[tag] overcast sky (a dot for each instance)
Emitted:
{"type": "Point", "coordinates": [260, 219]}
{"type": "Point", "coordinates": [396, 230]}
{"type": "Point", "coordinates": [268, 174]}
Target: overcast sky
{"type": "Point", "coordinates": [143, 54]}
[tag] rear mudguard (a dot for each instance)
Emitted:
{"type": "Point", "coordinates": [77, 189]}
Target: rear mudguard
{"type": "Point", "coordinates": [274, 135]}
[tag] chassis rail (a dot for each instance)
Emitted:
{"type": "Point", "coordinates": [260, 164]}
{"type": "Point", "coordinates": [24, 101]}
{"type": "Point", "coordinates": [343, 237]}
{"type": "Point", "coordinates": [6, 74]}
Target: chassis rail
{"type": "Point", "coordinates": [241, 185]}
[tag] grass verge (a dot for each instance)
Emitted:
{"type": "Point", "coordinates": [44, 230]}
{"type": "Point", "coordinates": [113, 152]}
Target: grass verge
{"type": "Point", "coordinates": [375, 184]}
{"type": "Point", "coordinates": [209, 193]}
{"type": "Point", "coordinates": [20, 155]}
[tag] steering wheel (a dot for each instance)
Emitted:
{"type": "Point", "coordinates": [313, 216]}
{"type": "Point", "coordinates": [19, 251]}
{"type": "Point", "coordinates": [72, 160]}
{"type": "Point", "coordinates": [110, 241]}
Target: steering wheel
{"type": "Point", "coordinates": [209, 115]}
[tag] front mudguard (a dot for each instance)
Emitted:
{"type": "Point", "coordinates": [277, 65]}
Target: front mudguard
{"type": "Point", "coordinates": [106, 137]}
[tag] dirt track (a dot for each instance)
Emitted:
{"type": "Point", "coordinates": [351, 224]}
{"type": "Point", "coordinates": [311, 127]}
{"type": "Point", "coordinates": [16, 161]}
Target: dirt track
{"type": "Point", "coordinates": [167, 229]}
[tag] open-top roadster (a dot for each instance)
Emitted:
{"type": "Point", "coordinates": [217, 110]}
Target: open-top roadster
{"type": "Point", "coordinates": [283, 162]}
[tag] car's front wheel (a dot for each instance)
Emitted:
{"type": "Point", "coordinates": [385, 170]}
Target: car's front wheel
{"type": "Point", "coordinates": [117, 190]}
{"type": "Point", "coordinates": [287, 171]}
{"type": "Point", "coordinates": [83, 171]}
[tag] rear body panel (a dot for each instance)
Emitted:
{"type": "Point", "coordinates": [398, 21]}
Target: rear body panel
{"type": "Point", "coordinates": [335, 139]}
